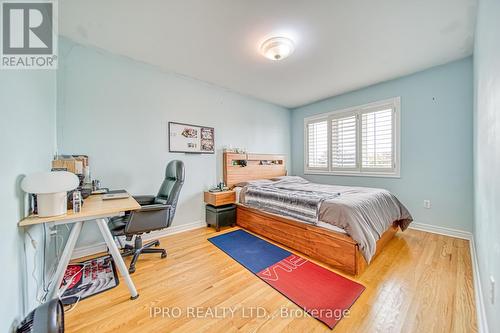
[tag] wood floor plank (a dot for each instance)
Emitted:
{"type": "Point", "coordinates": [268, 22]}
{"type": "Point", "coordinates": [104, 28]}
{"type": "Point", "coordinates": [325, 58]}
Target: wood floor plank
{"type": "Point", "coordinates": [421, 282]}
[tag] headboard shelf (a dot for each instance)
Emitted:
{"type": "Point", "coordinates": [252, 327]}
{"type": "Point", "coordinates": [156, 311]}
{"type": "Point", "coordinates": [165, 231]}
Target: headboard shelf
{"type": "Point", "coordinates": [244, 167]}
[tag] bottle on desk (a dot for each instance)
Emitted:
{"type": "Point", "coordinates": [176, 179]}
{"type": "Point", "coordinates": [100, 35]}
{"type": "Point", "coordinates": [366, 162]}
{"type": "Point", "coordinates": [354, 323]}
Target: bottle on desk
{"type": "Point", "coordinates": [77, 201]}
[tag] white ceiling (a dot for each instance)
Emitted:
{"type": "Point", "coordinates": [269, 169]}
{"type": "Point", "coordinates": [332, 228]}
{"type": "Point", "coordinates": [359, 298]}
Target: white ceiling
{"type": "Point", "coordinates": [341, 45]}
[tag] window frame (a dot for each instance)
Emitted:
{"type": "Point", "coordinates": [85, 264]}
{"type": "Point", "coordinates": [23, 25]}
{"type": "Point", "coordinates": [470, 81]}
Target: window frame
{"type": "Point", "coordinates": [395, 172]}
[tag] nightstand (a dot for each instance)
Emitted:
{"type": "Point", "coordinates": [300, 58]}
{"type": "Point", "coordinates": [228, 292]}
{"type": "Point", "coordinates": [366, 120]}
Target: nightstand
{"type": "Point", "coordinates": [220, 209]}
{"type": "Point", "coordinates": [217, 199]}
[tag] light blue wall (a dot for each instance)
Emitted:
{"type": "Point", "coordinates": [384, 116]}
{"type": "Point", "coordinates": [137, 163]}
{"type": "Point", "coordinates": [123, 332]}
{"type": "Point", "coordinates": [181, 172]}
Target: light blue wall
{"type": "Point", "coordinates": [487, 153]}
{"type": "Point", "coordinates": [27, 142]}
{"type": "Point", "coordinates": [436, 141]}
{"type": "Point", "coordinates": [116, 110]}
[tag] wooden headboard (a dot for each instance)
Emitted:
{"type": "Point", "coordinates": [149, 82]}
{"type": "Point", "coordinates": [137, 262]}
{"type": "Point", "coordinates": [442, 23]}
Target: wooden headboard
{"type": "Point", "coordinates": [258, 166]}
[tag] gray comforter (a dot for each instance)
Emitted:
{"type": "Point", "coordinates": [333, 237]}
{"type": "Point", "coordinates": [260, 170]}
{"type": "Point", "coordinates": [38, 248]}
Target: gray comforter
{"type": "Point", "coordinates": [364, 213]}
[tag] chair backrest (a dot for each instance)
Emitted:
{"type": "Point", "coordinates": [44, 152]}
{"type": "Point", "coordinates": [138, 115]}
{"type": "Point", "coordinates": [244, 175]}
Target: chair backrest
{"type": "Point", "coordinates": [148, 220]}
{"type": "Point", "coordinates": [171, 187]}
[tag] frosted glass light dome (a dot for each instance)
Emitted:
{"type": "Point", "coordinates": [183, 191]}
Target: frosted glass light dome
{"type": "Point", "coordinates": [277, 48]}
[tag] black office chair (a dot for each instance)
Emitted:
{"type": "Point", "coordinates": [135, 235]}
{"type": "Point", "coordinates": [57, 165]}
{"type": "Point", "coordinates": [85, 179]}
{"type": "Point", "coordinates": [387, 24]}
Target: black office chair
{"type": "Point", "coordinates": [157, 212]}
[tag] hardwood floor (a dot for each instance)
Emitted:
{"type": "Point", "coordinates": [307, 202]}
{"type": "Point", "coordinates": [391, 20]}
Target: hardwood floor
{"type": "Point", "coordinates": [421, 282]}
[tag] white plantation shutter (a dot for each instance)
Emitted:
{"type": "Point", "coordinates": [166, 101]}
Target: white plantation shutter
{"type": "Point", "coordinates": [317, 143]}
{"type": "Point", "coordinates": [358, 141]}
{"type": "Point", "coordinates": [344, 142]}
{"type": "Point", "coordinates": [377, 146]}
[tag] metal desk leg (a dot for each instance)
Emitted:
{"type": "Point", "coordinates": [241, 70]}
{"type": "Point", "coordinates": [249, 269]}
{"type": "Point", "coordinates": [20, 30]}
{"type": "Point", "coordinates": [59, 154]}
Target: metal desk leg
{"type": "Point", "coordinates": [65, 258]}
{"type": "Point", "coordinates": [115, 252]}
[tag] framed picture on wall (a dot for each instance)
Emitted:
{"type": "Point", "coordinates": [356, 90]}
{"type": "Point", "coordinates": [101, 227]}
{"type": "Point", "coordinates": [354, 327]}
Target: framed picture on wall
{"type": "Point", "coordinates": [186, 138]}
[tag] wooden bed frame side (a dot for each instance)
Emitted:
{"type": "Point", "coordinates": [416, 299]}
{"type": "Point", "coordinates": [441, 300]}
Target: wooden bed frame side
{"type": "Point", "coordinates": [333, 248]}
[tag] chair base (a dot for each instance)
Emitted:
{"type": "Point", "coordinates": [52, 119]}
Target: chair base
{"type": "Point", "coordinates": [139, 249]}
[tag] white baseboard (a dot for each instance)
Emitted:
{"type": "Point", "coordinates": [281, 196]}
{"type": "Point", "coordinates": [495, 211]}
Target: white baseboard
{"type": "Point", "coordinates": [89, 250]}
{"type": "Point", "coordinates": [482, 323]}
{"type": "Point", "coordinates": [441, 230]}
{"type": "Point", "coordinates": [480, 309]}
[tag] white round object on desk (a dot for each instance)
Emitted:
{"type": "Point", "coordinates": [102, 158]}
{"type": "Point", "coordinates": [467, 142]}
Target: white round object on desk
{"type": "Point", "coordinates": [50, 182]}
{"type": "Point", "coordinates": [51, 190]}
{"type": "Point", "coordinates": [52, 204]}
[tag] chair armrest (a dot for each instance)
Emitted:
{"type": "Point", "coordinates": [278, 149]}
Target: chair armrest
{"type": "Point", "coordinates": [144, 199]}
{"type": "Point", "coordinates": [150, 208]}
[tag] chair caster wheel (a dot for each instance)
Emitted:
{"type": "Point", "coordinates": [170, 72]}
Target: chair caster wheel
{"type": "Point", "coordinates": [131, 270]}
{"type": "Point", "coordinates": [157, 244]}
{"type": "Point", "coordinates": [163, 255]}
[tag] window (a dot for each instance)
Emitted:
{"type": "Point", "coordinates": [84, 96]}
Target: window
{"type": "Point", "coordinates": [317, 140]}
{"type": "Point", "coordinates": [360, 141]}
{"type": "Point", "coordinates": [344, 142]}
{"type": "Point", "coordinates": [376, 139]}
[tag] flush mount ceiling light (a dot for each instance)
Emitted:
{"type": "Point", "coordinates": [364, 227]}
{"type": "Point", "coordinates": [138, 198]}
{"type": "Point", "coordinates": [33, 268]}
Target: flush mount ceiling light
{"type": "Point", "coordinates": [277, 48]}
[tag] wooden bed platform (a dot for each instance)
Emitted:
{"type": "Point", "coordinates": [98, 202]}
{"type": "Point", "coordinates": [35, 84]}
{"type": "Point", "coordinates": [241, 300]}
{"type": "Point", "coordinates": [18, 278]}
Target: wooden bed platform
{"type": "Point", "coordinates": [333, 248]}
{"type": "Point", "coordinates": [330, 247]}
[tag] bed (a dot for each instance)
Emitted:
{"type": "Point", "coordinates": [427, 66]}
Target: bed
{"type": "Point", "coordinates": [344, 227]}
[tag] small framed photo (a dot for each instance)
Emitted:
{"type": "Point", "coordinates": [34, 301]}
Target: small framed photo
{"type": "Point", "coordinates": [186, 138]}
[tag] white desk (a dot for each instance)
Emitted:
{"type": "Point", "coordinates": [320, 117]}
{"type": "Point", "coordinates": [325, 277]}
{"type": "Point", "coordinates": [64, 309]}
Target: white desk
{"type": "Point", "coordinates": [93, 209]}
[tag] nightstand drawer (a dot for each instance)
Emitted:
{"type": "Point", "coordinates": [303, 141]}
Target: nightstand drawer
{"type": "Point", "coordinates": [220, 198]}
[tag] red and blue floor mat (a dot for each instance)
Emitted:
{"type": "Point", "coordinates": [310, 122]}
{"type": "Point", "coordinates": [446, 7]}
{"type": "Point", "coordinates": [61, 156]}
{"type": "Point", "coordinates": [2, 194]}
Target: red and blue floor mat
{"type": "Point", "coordinates": [323, 294]}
